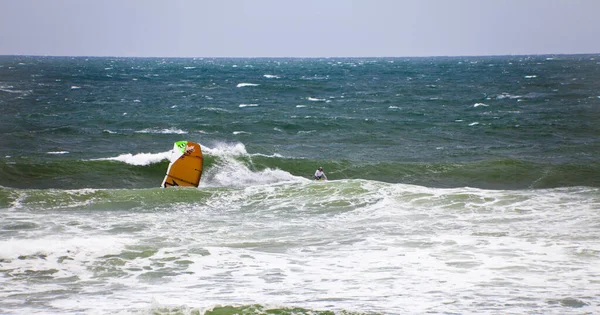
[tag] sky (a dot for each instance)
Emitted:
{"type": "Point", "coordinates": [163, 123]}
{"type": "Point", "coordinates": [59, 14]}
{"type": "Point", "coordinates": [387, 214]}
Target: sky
{"type": "Point", "coordinates": [298, 28]}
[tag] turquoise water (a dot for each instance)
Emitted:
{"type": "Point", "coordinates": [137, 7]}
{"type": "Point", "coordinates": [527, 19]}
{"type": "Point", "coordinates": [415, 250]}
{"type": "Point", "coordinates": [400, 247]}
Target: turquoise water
{"type": "Point", "coordinates": [457, 185]}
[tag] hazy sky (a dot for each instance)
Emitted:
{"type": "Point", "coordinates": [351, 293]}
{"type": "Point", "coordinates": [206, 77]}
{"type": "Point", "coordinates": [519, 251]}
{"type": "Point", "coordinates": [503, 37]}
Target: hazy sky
{"type": "Point", "coordinates": [298, 28]}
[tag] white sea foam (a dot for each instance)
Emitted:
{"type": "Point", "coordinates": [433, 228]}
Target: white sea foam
{"type": "Point", "coordinates": [10, 90]}
{"type": "Point", "coordinates": [247, 84]}
{"type": "Point", "coordinates": [75, 87]}
{"type": "Point", "coordinates": [474, 123]}
{"type": "Point", "coordinates": [241, 132]}
{"type": "Point", "coordinates": [215, 109]}
{"type": "Point", "coordinates": [248, 105]}
{"type": "Point", "coordinates": [271, 76]}
{"type": "Point", "coordinates": [189, 68]}
{"type": "Point", "coordinates": [480, 104]}
{"type": "Point", "coordinates": [226, 149]}
{"type": "Point", "coordinates": [356, 240]}
{"type": "Point", "coordinates": [530, 76]}
{"type": "Point", "coordinates": [506, 95]}
{"type": "Point", "coordinates": [313, 99]}
{"type": "Point", "coordinates": [163, 131]}
{"type": "Point", "coordinates": [229, 171]}
{"type": "Point", "coordinates": [139, 158]}
{"type": "Point", "coordinates": [58, 152]}
{"type": "Point", "coordinates": [300, 106]}
{"type": "Point", "coordinates": [68, 255]}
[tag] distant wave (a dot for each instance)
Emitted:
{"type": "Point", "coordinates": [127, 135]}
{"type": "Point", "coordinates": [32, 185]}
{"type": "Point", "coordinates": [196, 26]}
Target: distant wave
{"type": "Point", "coordinates": [509, 96]}
{"type": "Point", "coordinates": [247, 84]}
{"type": "Point", "coordinates": [7, 89]}
{"type": "Point", "coordinates": [163, 131]}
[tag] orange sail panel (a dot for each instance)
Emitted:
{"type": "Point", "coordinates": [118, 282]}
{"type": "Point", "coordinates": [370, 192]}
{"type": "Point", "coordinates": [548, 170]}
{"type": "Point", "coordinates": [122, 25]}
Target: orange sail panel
{"type": "Point", "coordinates": [185, 168]}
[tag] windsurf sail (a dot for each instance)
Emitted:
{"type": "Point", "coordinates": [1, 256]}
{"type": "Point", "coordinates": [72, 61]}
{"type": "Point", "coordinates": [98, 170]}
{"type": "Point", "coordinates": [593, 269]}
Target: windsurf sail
{"type": "Point", "coordinates": [185, 167]}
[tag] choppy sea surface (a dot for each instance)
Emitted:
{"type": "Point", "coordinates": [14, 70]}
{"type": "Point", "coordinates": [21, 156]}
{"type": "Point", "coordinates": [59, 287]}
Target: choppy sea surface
{"type": "Point", "coordinates": [457, 185]}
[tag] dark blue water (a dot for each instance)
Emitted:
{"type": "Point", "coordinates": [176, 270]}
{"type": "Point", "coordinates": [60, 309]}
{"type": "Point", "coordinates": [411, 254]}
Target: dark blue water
{"type": "Point", "coordinates": [492, 122]}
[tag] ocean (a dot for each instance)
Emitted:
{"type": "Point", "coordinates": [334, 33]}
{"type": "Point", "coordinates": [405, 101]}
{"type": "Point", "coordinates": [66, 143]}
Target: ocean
{"type": "Point", "coordinates": [457, 185]}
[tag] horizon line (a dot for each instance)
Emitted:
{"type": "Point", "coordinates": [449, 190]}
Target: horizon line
{"type": "Point", "coordinates": [297, 57]}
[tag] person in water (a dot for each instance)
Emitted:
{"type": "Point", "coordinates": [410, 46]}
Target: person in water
{"type": "Point", "coordinates": [319, 174]}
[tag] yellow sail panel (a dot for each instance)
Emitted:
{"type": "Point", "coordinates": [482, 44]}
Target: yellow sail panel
{"type": "Point", "coordinates": [185, 168]}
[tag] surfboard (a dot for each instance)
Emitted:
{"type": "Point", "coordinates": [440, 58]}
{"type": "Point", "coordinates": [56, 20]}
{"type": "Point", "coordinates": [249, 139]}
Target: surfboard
{"type": "Point", "coordinates": [185, 167]}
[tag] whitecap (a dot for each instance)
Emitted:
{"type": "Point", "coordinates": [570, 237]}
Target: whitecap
{"type": "Point", "coordinates": [474, 123]}
{"type": "Point", "coordinates": [226, 149]}
{"type": "Point", "coordinates": [13, 91]}
{"type": "Point", "coordinates": [189, 68]}
{"type": "Point", "coordinates": [241, 132]}
{"type": "Point", "coordinates": [163, 131]}
{"type": "Point", "coordinates": [247, 84]}
{"type": "Point", "coordinates": [302, 106]}
{"type": "Point", "coordinates": [506, 95]}
{"type": "Point", "coordinates": [312, 99]}
{"type": "Point", "coordinates": [58, 152]}
{"type": "Point", "coordinates": [480, 104]}
{"type": "Point", "coordinates": [75, 87]}
{"type": "Point", "coordinates": [271, 76]}
{"type": "Point", "coordinates": [530, 76]}
{"type": "Point", "coordinates": [215, 109]}
{"type": "Point", "coordinates": [138, 159]}
{"type": "Point", "coordinates": [248, 105]}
